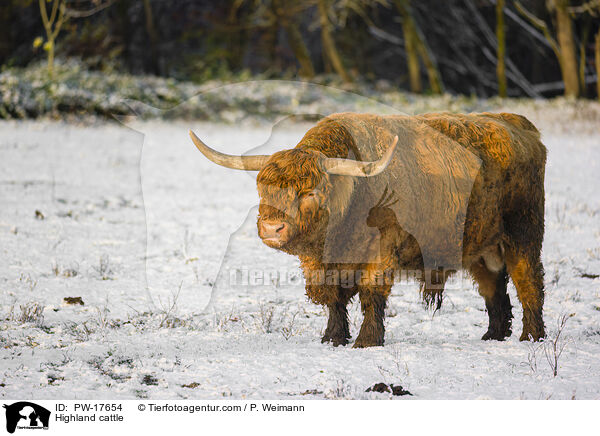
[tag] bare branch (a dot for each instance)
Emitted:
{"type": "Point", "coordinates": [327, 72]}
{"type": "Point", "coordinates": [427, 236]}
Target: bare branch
{"type": "Point", "coordinates": [382, 34]}
{"type": "Point", "coordinates": [541, 25]}
{"type": "Point", "coordinates": [592, 7]}
{"type": "Point", "coordinates": [532, 30]}
{"type": "Point", "coordinates": [72, 13]}
{"type": "Point", "coordinates": [44, 14]}
{"type": "Point", "coordinates": [55, 5]}
{"type": "Point", "coordinates": [62, 19]}
{"type": "Point", "coordinates": [560, 85]}
{"type": "Point", "coordinates": [513, 73]}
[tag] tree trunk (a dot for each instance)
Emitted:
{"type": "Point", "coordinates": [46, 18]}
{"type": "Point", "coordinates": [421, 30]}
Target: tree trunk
{"type": "Point", "coordinates": [408, 22]}
{"type": "Point", "coordinates": [501, 48]}
{"type": "Point", "coordinates": [123, 29]}
{"type": "Point", "coordinates": [329, 44]}
{"type": "Point", "coordinates": [582, 56]}
{"type": "Point", "coordinates": [300, 50]}
{"type": "Point", "coordinates": [597, 59]}
{"type": "Point", "coordinates": [6, 43]}
{"type": "Point", "coordinates": [271, 39]}
{"type": "Point", "coordinates": [568, 55]}
{"type": "Point", "coordinates": [412, 55]}
{"type": "Point", "coordinates": [294, 38]}
{"type": "Point", "coordinates": [153, 35]}
{"type": "Point", "coordinates": [435, 81]}
{"type": "Point", "coordinates": [236, 39]}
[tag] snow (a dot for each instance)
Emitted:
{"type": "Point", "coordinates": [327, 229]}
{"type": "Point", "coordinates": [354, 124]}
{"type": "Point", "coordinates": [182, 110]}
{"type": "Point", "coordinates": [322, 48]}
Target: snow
{"type": "Point", "coordinates": [140, 227]}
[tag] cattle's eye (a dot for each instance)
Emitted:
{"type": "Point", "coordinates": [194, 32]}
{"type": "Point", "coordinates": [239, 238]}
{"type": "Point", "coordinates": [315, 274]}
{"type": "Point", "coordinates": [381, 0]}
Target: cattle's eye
{"type": "Point", "coordinates": [308, 197]}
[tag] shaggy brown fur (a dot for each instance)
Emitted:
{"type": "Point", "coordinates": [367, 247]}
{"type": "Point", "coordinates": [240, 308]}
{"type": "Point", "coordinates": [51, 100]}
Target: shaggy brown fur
{"type": "Point", "coordinates": [461, 192]}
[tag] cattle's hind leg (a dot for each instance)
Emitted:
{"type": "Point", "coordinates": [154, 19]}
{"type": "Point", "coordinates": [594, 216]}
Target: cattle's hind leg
{"type": "Point", "coordinates": [492, 287]}
{"type": "Point", "coordinates": [527, 274]}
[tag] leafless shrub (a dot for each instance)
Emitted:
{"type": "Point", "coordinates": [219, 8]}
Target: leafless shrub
{"type": "Point", "coordinates": [168, 310]}
{"type": "Point", "coordinates": [28, 280]}
{"type": "Point", "coordinates": [532, 354]}
{"type": "Point", "coordinates": [149, 380]}
{"type": "Point", "coordinates": [72, 271]}
{"type": "Point", "coordinates": [222, 320]}
{"type": "Point", "coordinates": [341, 391]}
{"type": "Point", "coordinates": [102, 318]}
{"type": "Point", "coordinates": [265, 317]}
{"type": "Point", "coordinates": [560, 213]}
{"type": "Point", "coordinates": [554, 346]}
{"type": "Point", "coordinates": [593, 253]}
{"type": "Point", "coordinates": [400, 369]}
{"type": "Point", "coordinates": [114, 365]}
{"type": "Point", "coordinates": [31, 312]}
{"type": "Point", "coordinates": [188, 239]}
{"type": "Point", "coordinates": [80, 331]}
{"type": "Point", "coordinates": [196, 273]}
{"type": "Point", "coordinates": [555, 277]}
{"type": "Point", "coordinates": [276, 281]}
{"type": "Point", "coordinates": [103, 269]}
{"type": "Point", "coordinates": [289, 327]}
{"type": "Point", "coordinates": [54, 377]}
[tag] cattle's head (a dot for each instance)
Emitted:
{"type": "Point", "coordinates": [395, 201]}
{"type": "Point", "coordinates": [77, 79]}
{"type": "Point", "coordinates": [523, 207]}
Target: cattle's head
{"type": "Point", "coordinates": [296, 190]}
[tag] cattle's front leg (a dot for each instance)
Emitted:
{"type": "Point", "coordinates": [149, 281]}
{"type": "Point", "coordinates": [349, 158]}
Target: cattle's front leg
{"type": "Point", "coordinates": [373, 290]}
{"type": "Point", "coordinates": [338, 331]}
{"type": "Point", "coordinates": [335, 298]}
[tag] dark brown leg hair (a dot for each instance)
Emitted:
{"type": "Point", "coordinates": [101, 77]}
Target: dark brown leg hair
{"type": "Point", "coordinates": [338, 331]}
{"type": "Point", "coordinates": [492, 287]}
{"type": "Point", "coordinates": [372, 330]}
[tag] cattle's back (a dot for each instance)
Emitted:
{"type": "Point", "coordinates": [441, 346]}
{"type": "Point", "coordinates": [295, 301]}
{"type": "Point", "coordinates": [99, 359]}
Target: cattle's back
{"type": "Point", "coordinates": [501, 137]}
{"type": "Point", "coordinates": [442, 163]}
{"type": "Point", "coordinates": [430, 176]}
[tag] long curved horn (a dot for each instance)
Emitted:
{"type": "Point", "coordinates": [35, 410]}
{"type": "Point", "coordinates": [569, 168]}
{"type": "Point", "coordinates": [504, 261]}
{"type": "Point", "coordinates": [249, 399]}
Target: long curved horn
{"type": "Point", "coordinates": [349, 167]}
{"type": "Point", "coordinates": [247, 163]}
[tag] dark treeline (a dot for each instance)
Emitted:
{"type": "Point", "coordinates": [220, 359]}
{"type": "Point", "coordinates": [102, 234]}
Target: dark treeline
{"type": "Point", "coordinates": [535, 47]}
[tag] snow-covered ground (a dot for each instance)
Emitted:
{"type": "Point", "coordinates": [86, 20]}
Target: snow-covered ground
{"type": "Point", "coordinates": [141, 233]}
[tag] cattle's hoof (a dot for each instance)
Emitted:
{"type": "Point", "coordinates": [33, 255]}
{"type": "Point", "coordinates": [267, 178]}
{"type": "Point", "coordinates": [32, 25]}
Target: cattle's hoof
{"type": "Point", "coordinates": [532, 335]}
{"type": "Point", "coordinates": [498, 333]}
{"type": "Point", "coordinates": [369, 342]}
{"type": "Point", "coordinates": [336, 341]}
{"type": "Point", "coordinates": [495, 336]}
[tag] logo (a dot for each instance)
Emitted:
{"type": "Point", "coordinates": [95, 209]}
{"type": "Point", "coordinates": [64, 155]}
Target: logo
{"type": "Point", "coordinates": [26, 415]}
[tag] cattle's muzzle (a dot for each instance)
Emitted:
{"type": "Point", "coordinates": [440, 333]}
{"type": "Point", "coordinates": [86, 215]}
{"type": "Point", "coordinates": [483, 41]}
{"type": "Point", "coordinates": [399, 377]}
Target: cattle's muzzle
{"type": "Point", "coordinates": [273, 233]}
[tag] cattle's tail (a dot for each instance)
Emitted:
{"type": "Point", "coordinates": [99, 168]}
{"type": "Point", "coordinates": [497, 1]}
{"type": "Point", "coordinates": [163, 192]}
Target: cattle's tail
{"type": "Point", "coordinates": [432, 298]}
